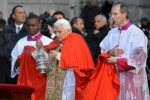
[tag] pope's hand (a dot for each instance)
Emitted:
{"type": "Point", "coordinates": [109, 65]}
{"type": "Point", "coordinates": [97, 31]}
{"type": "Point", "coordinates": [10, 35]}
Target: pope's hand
{"type": "Point", "coordinates": [53, 53]}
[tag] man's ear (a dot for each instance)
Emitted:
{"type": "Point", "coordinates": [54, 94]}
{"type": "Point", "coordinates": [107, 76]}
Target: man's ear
{"type": "Point", "coordinates": [125, 14]}
{"type": "Point", "coordinates": [74, 25]}
{"type": "Point", "coordinates": [13, 15]}
{"type": "Point", "coordinates": [70, 31]}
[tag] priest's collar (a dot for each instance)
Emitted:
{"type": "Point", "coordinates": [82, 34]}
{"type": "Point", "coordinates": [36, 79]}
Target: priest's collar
{"type": "Point", "coordinates": [126, 26]}
{"type": "Point", "coordinates": [35, 37]}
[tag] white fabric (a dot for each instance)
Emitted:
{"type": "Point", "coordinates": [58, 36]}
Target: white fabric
{"type": "Point", "coordinates": [69, 83]}
{"type": "Point", "coordinates": [133, 41]}
{"type": "Point", "coordinates": [69, 86]}
{"type": "Point", "coordinates": [18, 49]}
{"type": "Point", "coordinates": [58, 56]}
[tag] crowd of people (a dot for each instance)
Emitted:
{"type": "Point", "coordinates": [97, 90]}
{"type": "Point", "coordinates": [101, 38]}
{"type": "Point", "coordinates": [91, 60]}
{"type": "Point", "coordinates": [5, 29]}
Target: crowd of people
{"type": "Point", "coordinates": [100, 55]}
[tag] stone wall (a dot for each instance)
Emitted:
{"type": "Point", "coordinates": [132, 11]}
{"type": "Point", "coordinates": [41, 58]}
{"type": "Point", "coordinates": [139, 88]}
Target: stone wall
{"type": "Point", "coordinates": [36, 6]}
{"type": "Point", "coordinates": [138, 8]}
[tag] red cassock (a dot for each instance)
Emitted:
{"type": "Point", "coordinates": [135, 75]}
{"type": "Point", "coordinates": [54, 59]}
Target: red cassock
{"type": "Point", "coordinates": [29, 75]}
{"type": "Point", "coordinates": [92, 83]}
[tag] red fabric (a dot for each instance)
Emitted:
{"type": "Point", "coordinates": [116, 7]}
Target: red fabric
{"type": "Point", "coordinates": [30, 76]}
{"type": "Point", "coordinates": [122, 65]}
{"type": "Point", "coordinates": [75, 53]}
{"type": "Point", "coordinates": [102, 84]}
{"type": "Point", "coordinates": [91, 84]}
{"type": "Point", "coordinates": [52, 45]}
{"type": "Point", "coordinates": [16, 88]}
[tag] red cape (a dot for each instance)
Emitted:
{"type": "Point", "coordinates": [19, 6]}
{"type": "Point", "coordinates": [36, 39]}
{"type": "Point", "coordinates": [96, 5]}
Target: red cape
{"type": "Point", "coordinates": [91, 84]}
{"type": "Point", "coordinates": [29, 75]}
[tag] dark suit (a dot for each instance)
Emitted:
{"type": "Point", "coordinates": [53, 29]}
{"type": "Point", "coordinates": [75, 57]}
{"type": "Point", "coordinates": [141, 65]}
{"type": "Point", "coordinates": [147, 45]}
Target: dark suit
{"type": "Point", "coordinates": [148, 65]}
{"type": "Point", "coordinates": [8, 40]}
{"type": "Point", "coordinates": [94, 40]}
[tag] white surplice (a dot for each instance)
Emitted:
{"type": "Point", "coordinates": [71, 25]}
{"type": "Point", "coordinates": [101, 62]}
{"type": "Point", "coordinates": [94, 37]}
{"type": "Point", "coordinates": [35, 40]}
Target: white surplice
{"type": "Point", "coordinates": [68, 92]}
{"type": "Point", "coordinates": [69, 86]}
{"type": "Point", "coordinates": [133, 83]}
{"type": "Point", "coordinates": [18, 49]}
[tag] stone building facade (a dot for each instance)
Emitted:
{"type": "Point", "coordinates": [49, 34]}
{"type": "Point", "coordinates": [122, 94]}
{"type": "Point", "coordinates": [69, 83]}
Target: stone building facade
{"type": "Point", "coordinates": [71, 8]}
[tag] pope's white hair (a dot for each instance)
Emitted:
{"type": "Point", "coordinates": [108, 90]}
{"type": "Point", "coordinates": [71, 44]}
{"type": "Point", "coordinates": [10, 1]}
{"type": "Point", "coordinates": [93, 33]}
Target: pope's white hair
{"type": "Point", "coordinates": [63, 22]}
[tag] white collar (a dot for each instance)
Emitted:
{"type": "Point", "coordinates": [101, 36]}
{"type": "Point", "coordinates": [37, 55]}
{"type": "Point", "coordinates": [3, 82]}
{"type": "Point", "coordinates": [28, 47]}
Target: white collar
{"type": "Point", "coordinates": [35, 35]}
{"type": "Point", "coordinates": [21, 25]}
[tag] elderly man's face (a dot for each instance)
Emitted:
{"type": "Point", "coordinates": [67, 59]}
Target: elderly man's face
{"type": "Point", "coordinates": [61, 32]}
{"type": "Point", "coordinates": [99, 22]}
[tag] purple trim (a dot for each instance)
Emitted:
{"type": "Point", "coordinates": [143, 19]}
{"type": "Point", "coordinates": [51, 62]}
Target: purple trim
{"type": "Point", "coordinates": [34, 38]}
{"type": "Point", "coordinates": [126, 26]}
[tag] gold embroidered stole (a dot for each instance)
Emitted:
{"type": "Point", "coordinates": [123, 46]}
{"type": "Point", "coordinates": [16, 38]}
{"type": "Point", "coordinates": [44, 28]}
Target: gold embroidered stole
{"type": "Point", "coordinates": [55, 80]}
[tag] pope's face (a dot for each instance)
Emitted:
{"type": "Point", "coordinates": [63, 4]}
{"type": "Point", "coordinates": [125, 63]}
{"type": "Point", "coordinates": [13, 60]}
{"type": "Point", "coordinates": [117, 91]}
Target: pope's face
{"type": "Point", "coordinates": [61, 32]}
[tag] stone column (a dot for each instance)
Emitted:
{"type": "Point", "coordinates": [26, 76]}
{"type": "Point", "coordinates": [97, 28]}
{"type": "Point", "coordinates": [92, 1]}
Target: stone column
{"type": "Point", "coordinates": [74, 8]}
{"type": "Point", "coordinates": [144, 8]}
{"type": "Point", "coordinates": [3, 7]}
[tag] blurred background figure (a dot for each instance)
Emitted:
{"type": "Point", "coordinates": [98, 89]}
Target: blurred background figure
{"type": "Point", "coordinates": [51, 12]}
{"type": "Point", "coordinates": [77, 25]}
{"type": "Point", "coordinates": [2, 24]}
{"type": "Point", "coordinates": [59, 15]}
{"type": "Point", "coordinates": [88, 12]}
{"type": "Point", "coordinates": [1, 15]}
{"type": "Point", "coordinates": [31, 13]}
{"type": "Point", "coordinates": [95, 36]}
{"type": "Point", "coordinates": [144, 21]}
{"type": "Point", "coordinates": [47, 21]}
{"type": "Point", "coordinates": [148, 59]}
{"type": "Point", "coordinates": [106, 8]}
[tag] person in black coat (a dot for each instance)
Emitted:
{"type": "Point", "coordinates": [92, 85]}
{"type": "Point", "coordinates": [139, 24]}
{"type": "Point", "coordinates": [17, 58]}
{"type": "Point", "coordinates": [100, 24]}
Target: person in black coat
{"type": "Point", "coordinates": [15, 30]}
{"type": "Point", "coordinates": [148, 59]}
{"type": "Point", "coordinates": [2, 24]}
{"type": "Point", "coordinates": [88, 13]}
{"type": "Point", "coordinates": [77, 25]}
{"type": "Point", "coordinates": [95, 36]}
{"type": "Point", "coordinates": [106, 8]}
